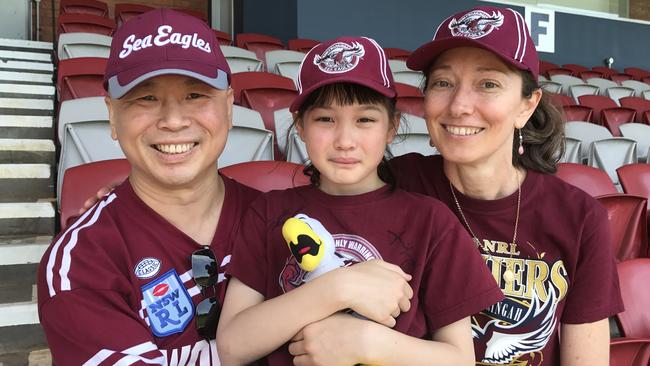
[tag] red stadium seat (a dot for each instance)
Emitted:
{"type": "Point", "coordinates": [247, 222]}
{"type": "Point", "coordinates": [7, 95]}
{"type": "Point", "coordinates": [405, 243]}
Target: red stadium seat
{"type": "Point", "coordinates": [627, 218]}
{"type": "Point", "coordinates": [636, 72]}
{"type": "Point", "coordinates": [197, 14]}
{"type": "Point", "coordinates": [577, 113]}
{"type": "Point", "coordinates": [591, 180]}
{"type": "Point", "coordinates": [80, 77]}
{"type": "Point", "coordinates": [584, 75]}
{"type": "Point", "coordinates": [224, 39]}
{"type": "Point", "coordinates": [575, 69]}
{"type": "Point", "coordinates": [544, 66]}
{"type": "Point", "coordinates": [620, 77]}
{"type": "Point", "coordinates": [605, 71]}
{"type": "Point", "coordinates": [633, 277]}
{"type": "Point", "coordinates": [559, 71]}
{"type": "Point", "coordinates": [635, 179]}
{"type": "Point", "coordinates": [597, 103]}
{"type": "Point", "coordinates": [410, 99]}
{"type": "Point", "coordinates": [640, 105]}
{"type": "Point", "coordinates": [83, 181]}
{"type": "Point", "coordinates": [397, 53]}
{"type": "Point", "coordinates": [70, 23]}
{"type": "Point", "coordinates": [614, 117]}
{"type": "Point", "coordinates": [301, 44]}
{"type": "Point", "coordinates": [265, 175]}
{"type": "Point", "coordinates": [258, 43]}
{"type": "Point", "coordinates": [629, 352]}
{"type": "Point", "coordinates": [93, 7]}
{"type": "Point", "coordinates": [124, 12]}
{"type": "Point", "coordinates": [561, 99]}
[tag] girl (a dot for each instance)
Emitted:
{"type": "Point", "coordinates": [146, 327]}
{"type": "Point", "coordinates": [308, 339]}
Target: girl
{"type": "Point", "coordinates": [345, 113]}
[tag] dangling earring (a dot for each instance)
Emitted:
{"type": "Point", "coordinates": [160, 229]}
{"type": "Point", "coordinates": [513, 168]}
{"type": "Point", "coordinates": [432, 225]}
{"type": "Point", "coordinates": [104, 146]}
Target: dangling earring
{"type": "Point", "coordinates": [521, 146]}
{"type": "Point", "coordinates": [431, 143]}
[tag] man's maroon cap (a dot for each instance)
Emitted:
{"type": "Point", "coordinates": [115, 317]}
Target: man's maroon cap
{"type": "Point", "coordinates": [163, 42]}
{"type": "Point", "coordinates": [502, 31]}
{"type": "Point", "coordinates": [357, 60]}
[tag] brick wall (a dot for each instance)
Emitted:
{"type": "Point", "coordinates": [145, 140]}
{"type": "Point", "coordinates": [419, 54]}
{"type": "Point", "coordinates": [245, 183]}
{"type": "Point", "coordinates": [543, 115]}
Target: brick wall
{"type": "Point", "coordinates": [640, 9]}
{"type": "Point", "coordinates": [46, 11]}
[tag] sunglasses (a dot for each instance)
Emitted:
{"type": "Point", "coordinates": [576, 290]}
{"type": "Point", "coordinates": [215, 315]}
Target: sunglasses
{"type": "Point", "coordinates": [205, 274]}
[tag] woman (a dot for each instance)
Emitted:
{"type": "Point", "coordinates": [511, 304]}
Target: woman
{"type": "Point", "coordinates": [546, 242]}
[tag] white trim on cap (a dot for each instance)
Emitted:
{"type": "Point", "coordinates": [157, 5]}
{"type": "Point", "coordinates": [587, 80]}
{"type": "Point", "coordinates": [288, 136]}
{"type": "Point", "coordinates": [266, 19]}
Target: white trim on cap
{"type": "Point", "coordinates": [382, 61]}
{"type": "Point", "coordinates": [300, 69]}
{"type": "Point", "coordinates": [516, 55]}
{"type": "Point", "coordinates": [524, 32]}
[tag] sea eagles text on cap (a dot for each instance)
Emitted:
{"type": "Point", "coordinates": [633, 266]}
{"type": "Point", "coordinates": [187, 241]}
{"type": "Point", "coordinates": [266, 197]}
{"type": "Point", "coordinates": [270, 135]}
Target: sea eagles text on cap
{"type": "Point", "coordinates": [164, 37]}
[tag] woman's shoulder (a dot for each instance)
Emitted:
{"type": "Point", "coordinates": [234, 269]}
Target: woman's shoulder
{"type": "Point", "coordinates": [415, 161]}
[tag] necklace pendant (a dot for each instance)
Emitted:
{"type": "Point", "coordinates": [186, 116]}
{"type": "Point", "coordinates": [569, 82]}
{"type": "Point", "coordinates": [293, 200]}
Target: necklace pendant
{"type": "Point", "coordinates": [508, 275]}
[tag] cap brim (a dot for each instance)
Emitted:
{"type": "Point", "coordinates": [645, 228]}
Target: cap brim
{"type": "Point", "coordinates": [380, 88]}
{"type": "Point", "coordinates": [117, 89]}
{"type": "Point", "coordinates": [422, 58]}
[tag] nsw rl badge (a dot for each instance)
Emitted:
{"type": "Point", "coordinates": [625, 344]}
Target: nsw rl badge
{"type": "Point", "coordinates": [168, 304]}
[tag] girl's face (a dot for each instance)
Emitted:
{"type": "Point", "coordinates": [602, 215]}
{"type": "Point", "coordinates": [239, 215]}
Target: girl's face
{"type": "Point", "coordinates": [473, 103]}
{"type": "Point", "coordinates": [346, 143]}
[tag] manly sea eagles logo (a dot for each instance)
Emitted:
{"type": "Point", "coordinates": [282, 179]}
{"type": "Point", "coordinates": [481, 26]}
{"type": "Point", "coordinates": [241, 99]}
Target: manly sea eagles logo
{"type": "Point", "coordinates": [476, 24]}
{"type": "Point", "coordinates": [340, 57]}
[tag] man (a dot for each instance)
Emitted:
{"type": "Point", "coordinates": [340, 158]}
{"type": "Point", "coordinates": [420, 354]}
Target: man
{"type": "Point", "coordinates": [134, 279]}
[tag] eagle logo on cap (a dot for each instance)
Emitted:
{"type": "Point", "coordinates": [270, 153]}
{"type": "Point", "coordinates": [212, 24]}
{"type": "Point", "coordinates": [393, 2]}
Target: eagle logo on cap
{"type": "Point", "coordinates": [476, 24]}
{"type": "Point", "coordinates": [340, 57]}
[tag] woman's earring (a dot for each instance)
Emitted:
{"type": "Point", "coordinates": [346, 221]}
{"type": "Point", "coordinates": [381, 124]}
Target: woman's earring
{"type": "Point", "coordinates": [521, 146]}
{"type": "Point", "coordinates": [431, 143]}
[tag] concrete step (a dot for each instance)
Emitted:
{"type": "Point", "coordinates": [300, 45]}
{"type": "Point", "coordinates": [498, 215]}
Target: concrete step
{"type": "Point", "coordinates": [26, 182]}
{"type": "Point", "coordinates": [17, 285]}
{"type": "Point", "coordinates": [26, 91]}
{"type": "Point", "coordinates": [26, 107]}
{"type": "Point", "coordinates": [26, 77]}
{"type": "Point", "coordinates": [26, 56]}
{"type": "Point", "coordinates": [26, 127]}
{"type": "Point", "coordinates": [21, 151]}
{"type": "Point", "coordinates": [18, 219]}
{"type": "Point", "coordinates": [21, 44]}
{"type": "Point", "coordinates": [17, 342]}
{"type": "Point", "coordinates": [16, 65]}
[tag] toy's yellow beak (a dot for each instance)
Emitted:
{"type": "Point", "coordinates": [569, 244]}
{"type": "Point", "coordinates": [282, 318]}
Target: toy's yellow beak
{"type": "Point", "coordinates": [304, 244]}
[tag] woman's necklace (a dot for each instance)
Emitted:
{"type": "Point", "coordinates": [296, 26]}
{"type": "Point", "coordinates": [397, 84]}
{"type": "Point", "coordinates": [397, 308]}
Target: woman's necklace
{"type": "Point", "coordinates": [508, 275]}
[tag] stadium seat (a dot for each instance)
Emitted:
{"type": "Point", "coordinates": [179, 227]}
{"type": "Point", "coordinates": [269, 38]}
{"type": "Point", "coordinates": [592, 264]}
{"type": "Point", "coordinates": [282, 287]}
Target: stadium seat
{"type": "Point", "coordinates": [620, 77]}
{"type": "Point", "coordinates": [638, 86]}
{"type": "Point", "coordinates": [80, 77]}
{"type": "Point", "coordinates": [558, 71]}
{"type": "Point", "coordinates": [396, 53]}
{"type": "Point", "coordinates": [412, 136]}
{"type": "Point", "coordinates": [267, 175]}
{"type": "Point", "coordinates": [640, 105]}
{"type": "Point", "coordinates": [602, 84]}
{"type": "Point", "coordinates": [635, 179]}
{"type": "Point", "coordinates": [577, 112]}
{"type": "Point", "coordinates": [551, 86]}
{"type": "Point", "coordinates": [578, 90]}
{"type": "Point", "coordinates": [86, 23]}
{"type": "Point", "coordinates": [629, 352]}
{"type": "Point", "coordinates": [282, 120]}
{"type": "Point", "coordinates": [639, 133]}
{"type": "Point", "coordinates": [124, 12]}
{"type": "Point", "coordinates": [605, 71]}
{"type": "Point", "coordinates": [301, 44]}
{"type": "Point", "coordinates": [597, 103]}
{"type": "Point", "coordinates": [258, 43]}
{"type": "Point", "coordinates": [612, 118]}
{"type": "Point", "coordinates": [589, 74]}
{"type": "Point", "coordinates": [197, 14]}
{"type": "Point", "coordinates": [544, 66]}
{"type": "Point", "coordinates": [409, 99]}
{"type": "Point", "coordinates": [248, 140]}
{"type": "Point", "coordinates": [587, 133]}
{"type": "Point", "coordinates": [636, 72]}
{"type": "Point", "coordinates": [575, 68]}
{"type": "Point", "coordinates": [591, 180]}
{"type": "Point", "coordinates": [633, 278]}
{"type": "Point", "coordinates": [609, 154]}
{"type": "Point", "coordinates": [566, 80]}
{"type": "Point", "coordinates": [83, 181]}
{"type": "Point", "coordinates": [285, 62]}
{"type": "Point", "coordinates": [263, 92]}
{"type": "Point", "coordinates": [241, 60]}
{"type": "Point", "coordinates": [80, 110]}
{"type": "Point", "coordinates": [224, 39]}
{"type": "Point", "coordinates": [73, 45]}
{"type": "Point", "coordinates": [92, 7]}
{"type": "Point", "coordinates": [618, 92]}
{"type": "Point", "coordinates": [402, 74]}
{"type": "Point", "coordinates": [628, 223]}
{"type": "Point", "coordinates": [572, 151]}
{"type": "Point", "coordinates": [560, 99]}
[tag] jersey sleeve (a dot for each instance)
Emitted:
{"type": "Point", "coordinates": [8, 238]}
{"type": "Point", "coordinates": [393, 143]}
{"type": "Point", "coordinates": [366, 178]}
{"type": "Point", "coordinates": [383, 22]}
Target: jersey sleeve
{"type": "Point", "coordinates": [456, 282]}
{"type": "Point", "coordinates": [249, 262]}
{"type": "Point", "coordinates": [594, 294]}
{"type": "Point", "coordinates": [89, 327]}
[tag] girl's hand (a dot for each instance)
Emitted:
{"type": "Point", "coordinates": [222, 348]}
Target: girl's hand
{"type": "Point", "coordinates": [376, 290]}
{"type": "Point", "coordinates": [336, 340]}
